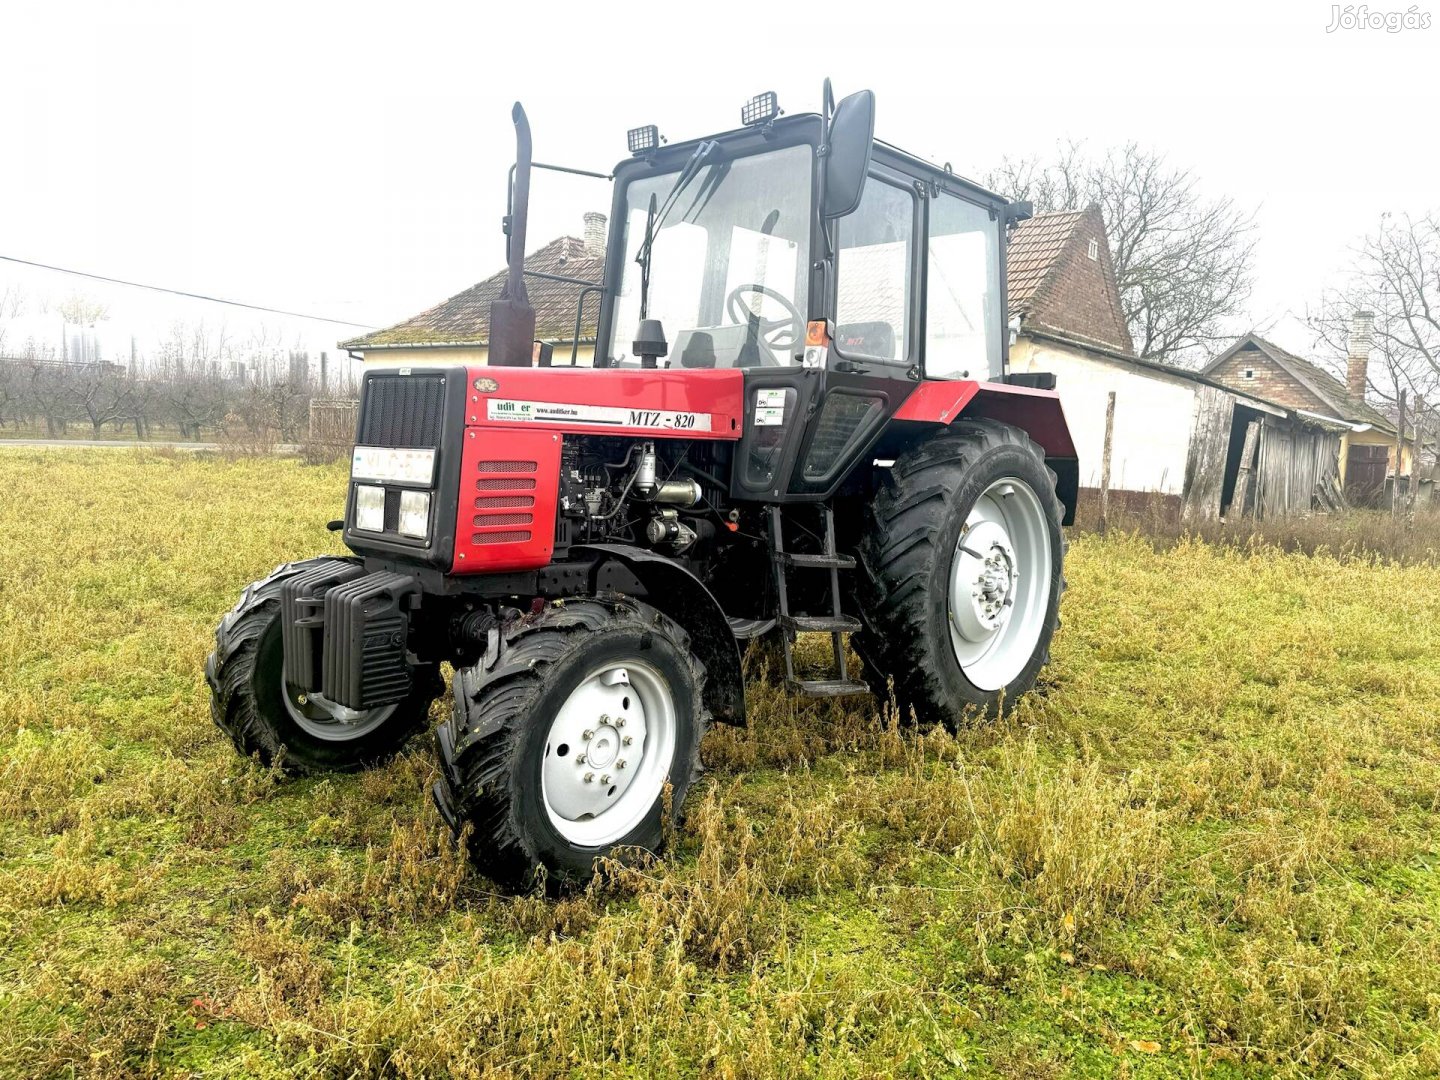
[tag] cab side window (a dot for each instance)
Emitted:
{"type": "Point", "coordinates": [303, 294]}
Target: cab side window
{"type": "Point", "coordinates": [872, 272]}
{"type": "Point", "coordinates": [963, 321]}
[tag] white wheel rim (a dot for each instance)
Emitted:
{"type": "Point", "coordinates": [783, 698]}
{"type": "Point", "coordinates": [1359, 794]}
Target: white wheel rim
{"type": "Point", "coordinates": [608, 753]}
{"type": "Point", "coordinates": [318, 722]}
{"type": "Point", "coordinates": [999, 590]}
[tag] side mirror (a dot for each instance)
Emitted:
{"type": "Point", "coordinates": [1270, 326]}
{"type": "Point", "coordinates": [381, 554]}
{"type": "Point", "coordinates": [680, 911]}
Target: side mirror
{"type": "Point", "coordinates": [852, 139]}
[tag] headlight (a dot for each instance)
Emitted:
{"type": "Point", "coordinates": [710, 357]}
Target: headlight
{"type": "Point", "coordinates": [415, 514]}
{"type": "Point", "coordinates": [370, 508]}
{"type": "Point", "coordinates": [393, 466]}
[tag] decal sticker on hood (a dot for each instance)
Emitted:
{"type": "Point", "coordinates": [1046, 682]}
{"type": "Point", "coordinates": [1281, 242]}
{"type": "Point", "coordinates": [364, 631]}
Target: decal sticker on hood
{"type": "Point", "coordinates": [552, 412]}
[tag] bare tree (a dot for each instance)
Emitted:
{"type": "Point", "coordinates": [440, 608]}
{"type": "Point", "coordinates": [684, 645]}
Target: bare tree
{"type": "Point", "coordinates": [198, 379]}
{"type": "Point", "coordinates": [1394, 273]}
{"type": "Point", "coordinates": [12, 306]}
{"type": "Point", "coordinates": [99, 392]}
{"type": "Point", "coordinates": [194, 391]}
{"type": "Point", "coordinates": [49, 392]}
{"type": "Point", "coordinates": [1183, 261]}
{"type": "Point", "coordinates": [12, 390]}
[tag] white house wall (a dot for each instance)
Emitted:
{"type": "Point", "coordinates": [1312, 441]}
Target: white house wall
{"type": "Point", "coordinates": [1153, 416]}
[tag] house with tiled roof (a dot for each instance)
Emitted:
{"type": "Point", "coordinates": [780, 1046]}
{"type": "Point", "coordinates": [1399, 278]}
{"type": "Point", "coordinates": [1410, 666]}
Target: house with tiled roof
{"type": "Point", "coordinates": [1059, 278]}
{"type": "Point", "coordinates": [1367, 442]}
{"type": "Point", "coordinates": [458, 329]}
{"type": "Point", "coordinates": [1176, 435]}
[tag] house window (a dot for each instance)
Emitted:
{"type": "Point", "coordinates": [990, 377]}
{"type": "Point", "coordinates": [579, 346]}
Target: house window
{"type": "Point", "coordinates": [1094, 249]}
{"type": "Point", "coordinates": [1248, 373]}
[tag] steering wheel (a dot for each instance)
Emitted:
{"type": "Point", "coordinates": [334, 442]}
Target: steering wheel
{"type": "Point", "coordinates": [793, 321]}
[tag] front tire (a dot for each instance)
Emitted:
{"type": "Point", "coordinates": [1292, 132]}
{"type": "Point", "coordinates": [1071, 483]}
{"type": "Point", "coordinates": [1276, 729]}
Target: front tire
{"type": "Point", "coordinates": [961, 574]}
{"type": "Point", "coordinates": [251, 703]}
{"type": "Point", "coordinates": [561, 744]}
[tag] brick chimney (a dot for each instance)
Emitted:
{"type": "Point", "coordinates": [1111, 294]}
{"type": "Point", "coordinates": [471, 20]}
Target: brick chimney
{"type": "Point", "coordinates": [595, 234]}
{"type": "Point", "coordinates": [1362, 333]}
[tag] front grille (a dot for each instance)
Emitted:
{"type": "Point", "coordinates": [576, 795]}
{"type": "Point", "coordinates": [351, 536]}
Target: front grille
{"type": "Point", "coordinates": [506, 466]}
{"type": "Point", "coordinates": [402, 411]}
{"type": "Point", "coordinates": [512, 536]}
{"type": "Point", "coordinates": [495, 512]}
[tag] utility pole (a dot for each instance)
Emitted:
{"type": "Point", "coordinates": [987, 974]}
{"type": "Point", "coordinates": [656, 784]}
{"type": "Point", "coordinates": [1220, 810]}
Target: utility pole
{"type": "Point", "coordinates": [1396, 503]}
{"type": "Point", "coordinates": [1105, 464]}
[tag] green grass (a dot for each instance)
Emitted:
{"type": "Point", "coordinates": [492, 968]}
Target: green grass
{"type": "Point", "coordinates": [1207, 847]}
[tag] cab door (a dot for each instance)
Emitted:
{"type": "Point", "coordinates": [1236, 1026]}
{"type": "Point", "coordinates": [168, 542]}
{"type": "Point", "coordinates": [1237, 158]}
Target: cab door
{"type": "Point", "coordinates": [871, 363]}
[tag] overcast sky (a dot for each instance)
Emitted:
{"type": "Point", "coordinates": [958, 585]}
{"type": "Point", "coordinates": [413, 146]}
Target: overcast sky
{"type": "Point", "coordinates": [350, 159]}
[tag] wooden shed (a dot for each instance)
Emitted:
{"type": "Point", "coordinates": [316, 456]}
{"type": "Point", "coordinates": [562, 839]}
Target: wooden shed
{"type": "Point", "coordinates": [1178, 435]}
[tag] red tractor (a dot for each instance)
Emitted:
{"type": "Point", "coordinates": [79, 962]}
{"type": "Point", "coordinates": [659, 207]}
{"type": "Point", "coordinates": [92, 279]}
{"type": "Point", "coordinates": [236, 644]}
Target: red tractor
{"type": "Point", "coordinates": [833, 443]}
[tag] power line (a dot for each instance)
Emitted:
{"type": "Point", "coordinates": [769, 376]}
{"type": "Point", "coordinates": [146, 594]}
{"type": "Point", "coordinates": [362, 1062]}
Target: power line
{"type": "Point", "coordinates": [181, 292]}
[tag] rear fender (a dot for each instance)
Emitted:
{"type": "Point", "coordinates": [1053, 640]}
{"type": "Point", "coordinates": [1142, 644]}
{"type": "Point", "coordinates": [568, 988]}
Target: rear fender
{"type": "Point", "coordinates": [673, 590]}
{"type": "Point", "coordinates": [1036, 412]}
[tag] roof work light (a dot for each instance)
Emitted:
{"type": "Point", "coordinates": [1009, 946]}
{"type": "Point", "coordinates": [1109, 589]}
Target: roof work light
{"type": "Point", "coordinates": [761, 109]}
{"type": "Point", "coordinates": [642, 139]}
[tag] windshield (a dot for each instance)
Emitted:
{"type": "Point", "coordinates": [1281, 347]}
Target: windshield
{"type": "Point", "coordinates": [729, 265]}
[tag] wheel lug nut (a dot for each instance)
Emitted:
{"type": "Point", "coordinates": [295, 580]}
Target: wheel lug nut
{"type": "Point", "coordinates": [579, 759]}
{"type": "Point", "coordinates": [604, 718]}
{"type": "Point", "coordinates": [627, 740]}
{"type": "Point", "coordinates": [605, 779]}
{"type": "Point", "coordinates": [620, 764]}
{"type": "Point", "coordinates": [620, 721]}
{"type": "Point", "coordinates": [587, 734]}
{"type": "Point", "coordinates": [589, 777]}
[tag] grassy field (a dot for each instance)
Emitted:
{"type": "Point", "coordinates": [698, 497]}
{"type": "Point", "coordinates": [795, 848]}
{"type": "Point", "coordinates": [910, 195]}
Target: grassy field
{"type": "Point", "coordinates": [1208, 846]}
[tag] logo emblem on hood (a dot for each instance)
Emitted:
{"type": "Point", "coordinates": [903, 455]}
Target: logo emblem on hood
{"type": "Point", "coordinates": [486, 385]}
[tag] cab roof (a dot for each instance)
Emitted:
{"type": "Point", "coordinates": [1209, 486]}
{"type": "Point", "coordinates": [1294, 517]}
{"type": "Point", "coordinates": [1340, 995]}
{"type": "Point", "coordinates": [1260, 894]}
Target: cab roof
{"type": "Point", "coordinates": [793, 128]}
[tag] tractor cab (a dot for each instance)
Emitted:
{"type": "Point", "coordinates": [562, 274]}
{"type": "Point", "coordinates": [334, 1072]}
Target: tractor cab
{"type": "Point", "coordinates": [803, 242]}
{"type": "Point", "coordinates": [834, 270]}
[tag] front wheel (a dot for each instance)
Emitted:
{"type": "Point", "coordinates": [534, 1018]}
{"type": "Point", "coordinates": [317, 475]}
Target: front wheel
{"type": "Point", "coordinates": [962, 571]}
{"type": "Point", "coordinates": [263, 715]}
{"type": "Point", "coordinates": [561, 745]}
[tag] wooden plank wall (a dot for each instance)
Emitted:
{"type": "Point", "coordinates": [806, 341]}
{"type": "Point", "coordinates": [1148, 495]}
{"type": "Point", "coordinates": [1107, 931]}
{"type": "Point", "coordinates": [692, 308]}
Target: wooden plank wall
{"type": "Point", "coordinates": [1209, 445]}
{"type": "Point", "coordinates": [1293, 462]}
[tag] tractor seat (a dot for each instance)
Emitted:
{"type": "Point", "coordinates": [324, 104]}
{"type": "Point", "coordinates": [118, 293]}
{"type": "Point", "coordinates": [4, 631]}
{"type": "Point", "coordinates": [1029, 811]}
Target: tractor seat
{"type": "Point", "coordinates": [714, 346]}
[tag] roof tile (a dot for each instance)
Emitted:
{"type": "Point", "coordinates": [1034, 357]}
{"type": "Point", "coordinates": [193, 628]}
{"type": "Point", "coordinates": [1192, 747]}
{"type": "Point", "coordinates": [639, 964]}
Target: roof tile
{"type": "Point", "coordinates": [1034, 248]}
{"type": "Point", "coordinates": [1320, 382]}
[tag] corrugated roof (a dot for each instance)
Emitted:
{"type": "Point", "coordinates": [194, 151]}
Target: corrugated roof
{"type": "Point", "coordinates": [464, 319]}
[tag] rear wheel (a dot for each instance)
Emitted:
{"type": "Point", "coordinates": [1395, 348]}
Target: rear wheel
{"type": "Point", "coordinates": [961, 573]}
{"type": "Point", "coordinates": [560, 746]}
{"type": "Point", "coordinates": [252, 703]}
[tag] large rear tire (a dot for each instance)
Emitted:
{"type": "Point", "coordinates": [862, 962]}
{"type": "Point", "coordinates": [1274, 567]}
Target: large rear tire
{"type": "Point", "coordinates": [561, 744]}
{"type": "Point", "coordinates": [961, 572]}
{"type": "Point", "coordinates": [251, 703]}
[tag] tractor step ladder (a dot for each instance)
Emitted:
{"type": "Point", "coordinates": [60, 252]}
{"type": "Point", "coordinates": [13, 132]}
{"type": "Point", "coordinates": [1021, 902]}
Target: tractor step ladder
{"type": "Point", "coordinates": [836, 623]}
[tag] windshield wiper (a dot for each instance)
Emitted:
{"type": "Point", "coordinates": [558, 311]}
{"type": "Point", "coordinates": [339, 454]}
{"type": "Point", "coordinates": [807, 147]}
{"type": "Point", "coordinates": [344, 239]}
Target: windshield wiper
{"type": "Point", "coordinates": [654, 220]}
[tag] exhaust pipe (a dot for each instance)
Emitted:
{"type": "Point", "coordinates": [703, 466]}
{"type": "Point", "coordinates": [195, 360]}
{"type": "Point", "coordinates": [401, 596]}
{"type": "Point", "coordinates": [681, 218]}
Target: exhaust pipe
{"type": "Point", "coordinates": [512, 319]}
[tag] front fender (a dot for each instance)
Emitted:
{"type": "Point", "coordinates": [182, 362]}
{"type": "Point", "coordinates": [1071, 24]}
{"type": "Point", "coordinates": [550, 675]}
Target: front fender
{"type": "Point", "coordinates": [675, 591]}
